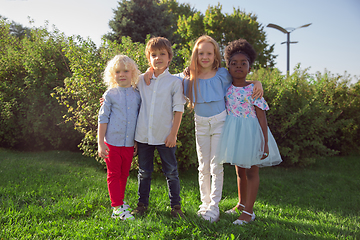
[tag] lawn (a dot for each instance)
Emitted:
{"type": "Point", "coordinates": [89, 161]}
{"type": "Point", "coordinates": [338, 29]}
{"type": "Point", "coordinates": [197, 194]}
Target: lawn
{"type": "Point", "coordinates": [63, 195]}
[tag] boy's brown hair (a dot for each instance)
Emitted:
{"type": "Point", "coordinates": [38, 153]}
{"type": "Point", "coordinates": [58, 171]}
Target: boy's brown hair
{"type": "Point", "coordinates": [158, 43]}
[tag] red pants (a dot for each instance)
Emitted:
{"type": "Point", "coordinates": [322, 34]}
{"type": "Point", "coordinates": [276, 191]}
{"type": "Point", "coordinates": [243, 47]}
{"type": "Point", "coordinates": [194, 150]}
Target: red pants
{"type": "Point", "coordinates": [118, 166]}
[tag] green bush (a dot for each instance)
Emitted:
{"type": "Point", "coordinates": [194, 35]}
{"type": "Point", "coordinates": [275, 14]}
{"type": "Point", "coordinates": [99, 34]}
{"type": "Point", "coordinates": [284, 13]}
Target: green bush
{"type": "Point", "coordinates": [30, 119]}
{"type": "Point", "coordinates": [305, 116]}
{"type": "Point", "coordinates": [311, 116]}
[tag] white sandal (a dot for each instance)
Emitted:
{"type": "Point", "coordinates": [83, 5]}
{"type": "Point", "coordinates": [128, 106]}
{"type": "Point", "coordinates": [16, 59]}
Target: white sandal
{"type": "Point", "coordinates": [232, 211]}
{"type": "Point", "coordinates": [240, 222]}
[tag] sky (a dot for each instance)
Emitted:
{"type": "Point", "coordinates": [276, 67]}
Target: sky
{"type": "Point", "coordinates": [331, 42]}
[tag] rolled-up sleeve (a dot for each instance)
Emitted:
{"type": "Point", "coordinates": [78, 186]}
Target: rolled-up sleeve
{"type": "Point", "coordinates": [178, 97]}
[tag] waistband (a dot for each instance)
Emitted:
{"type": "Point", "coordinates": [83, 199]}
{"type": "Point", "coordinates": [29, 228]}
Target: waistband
{"type": "Point", "coordinates": [219, 116]}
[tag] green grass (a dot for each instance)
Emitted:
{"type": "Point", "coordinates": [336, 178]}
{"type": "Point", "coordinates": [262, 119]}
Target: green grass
{"type": "Point", "coordinates": [63, 195]}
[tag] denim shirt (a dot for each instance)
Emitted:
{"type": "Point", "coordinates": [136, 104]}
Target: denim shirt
{"type": "Point", "coordinates": [120, 111]}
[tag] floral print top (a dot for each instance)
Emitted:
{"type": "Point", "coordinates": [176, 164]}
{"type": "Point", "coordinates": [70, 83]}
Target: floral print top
{"type": "Point", "coordinates": [239, 102]}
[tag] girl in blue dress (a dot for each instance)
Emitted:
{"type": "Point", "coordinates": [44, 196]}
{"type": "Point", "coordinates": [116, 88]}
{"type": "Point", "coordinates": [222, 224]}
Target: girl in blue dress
{"type": "Point", "coordinates": [246, 140]}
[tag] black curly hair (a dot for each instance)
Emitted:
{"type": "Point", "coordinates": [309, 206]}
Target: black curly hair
{"type": "Point", "coordinates": [239, 46]}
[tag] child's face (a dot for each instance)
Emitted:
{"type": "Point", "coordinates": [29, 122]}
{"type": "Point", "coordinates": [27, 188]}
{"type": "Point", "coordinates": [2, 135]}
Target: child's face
{"type": "Point", "coordinates": [206, 55]}
{"type": "Point", "coordinates": [159, 59]}
{"type": "Point", "coordinates": [123, 76]}
{"type": "Point", "coordinates": [239, 66]}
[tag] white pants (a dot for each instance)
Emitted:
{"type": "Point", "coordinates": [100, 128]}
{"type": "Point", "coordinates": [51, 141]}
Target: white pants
{"type": "Point", "coordinates": [211, 174]}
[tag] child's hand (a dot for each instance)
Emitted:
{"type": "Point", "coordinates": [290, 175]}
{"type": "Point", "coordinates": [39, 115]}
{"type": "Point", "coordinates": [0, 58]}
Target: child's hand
{"type": "Point", "coordinates": [258, 90]}
{"type": "Point", "coordinates": [170, 141]}
{"type": "Point", "coordinates": [148, 75]}
{"type": "Point", "coordinates": [135, 148]}
{"type": "Point", "coordinates": [103, 150]}
{"type": "Point", "coordinates": [266, 152]}
{"type": "Point", "coordinates": [186, 72]}
{"type": "Point", "coordinates": [101, 101]}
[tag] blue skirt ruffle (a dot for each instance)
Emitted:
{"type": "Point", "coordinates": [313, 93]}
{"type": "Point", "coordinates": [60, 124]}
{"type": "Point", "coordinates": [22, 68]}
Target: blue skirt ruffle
{"type": "Point", "coordinates": [242, 144]}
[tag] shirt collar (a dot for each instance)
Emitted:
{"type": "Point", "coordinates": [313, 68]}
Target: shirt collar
{"type": "Point", "coordinates": [123, 89]}
{"type": "Point", "coordinates": [165, 72]}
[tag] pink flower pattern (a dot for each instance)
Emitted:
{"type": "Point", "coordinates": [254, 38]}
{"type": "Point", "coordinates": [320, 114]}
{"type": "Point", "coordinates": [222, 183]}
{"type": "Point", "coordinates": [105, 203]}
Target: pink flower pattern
{"type": "Point", "coordinates": [239, 102]}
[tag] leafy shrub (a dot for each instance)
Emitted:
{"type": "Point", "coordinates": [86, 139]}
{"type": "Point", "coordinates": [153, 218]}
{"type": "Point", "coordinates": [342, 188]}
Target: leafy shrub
{"type": "Point", "coordinates": [304, 115]}
{"type": "Point", "coordinates": [311, 116]}
{"type": "Point", "coordinates": [29, 70]}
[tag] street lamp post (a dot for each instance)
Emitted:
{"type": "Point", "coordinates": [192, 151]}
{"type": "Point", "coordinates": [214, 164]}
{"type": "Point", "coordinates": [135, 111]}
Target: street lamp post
{"type": "Point", "coordinates": [288, 39]}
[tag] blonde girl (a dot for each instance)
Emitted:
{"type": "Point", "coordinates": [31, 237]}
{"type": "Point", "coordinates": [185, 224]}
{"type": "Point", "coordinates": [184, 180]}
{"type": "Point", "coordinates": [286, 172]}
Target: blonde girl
{"type": "Point", "coordinates": [116, 128]}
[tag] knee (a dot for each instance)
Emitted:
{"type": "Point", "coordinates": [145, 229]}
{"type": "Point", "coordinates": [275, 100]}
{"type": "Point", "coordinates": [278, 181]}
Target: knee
{"type": "Point", "coordinates": [252, 174]}
{"type": "Point", "coordinates": [171, 175]}
{"type": "Point", "coordinates": [144, 174]}
{"type": "Point", "coordinates": [240, 172]}
{"type": "Point", "coordinates": [217, 169]}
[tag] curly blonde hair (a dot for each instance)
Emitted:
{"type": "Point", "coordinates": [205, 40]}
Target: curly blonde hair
{"type": "Point", "coordinates": [114, 64]}
{"type": "Point", "coordinates": [191, 90]}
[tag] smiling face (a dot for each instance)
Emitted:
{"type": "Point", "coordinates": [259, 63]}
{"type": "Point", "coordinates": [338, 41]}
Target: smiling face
{"type": "Point", "coordinates": [123, 76]}
{"type": "Point", "coordinates": [159, 60]}
{"type": "Point", "coordinates": [239, 67]}
{"type": "Point", "coordinates": [206, 55]}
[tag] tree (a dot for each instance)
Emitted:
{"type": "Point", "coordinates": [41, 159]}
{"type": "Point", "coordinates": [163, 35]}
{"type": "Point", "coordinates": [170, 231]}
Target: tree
{"type": "Point", "coordinates": [225, 28]}
{"type": "Point", "coordinates": [138, 18]}
{"type": "Point", "coordinates": [176, 10]}
{"type": "Point", "coordinates": [16, 29]}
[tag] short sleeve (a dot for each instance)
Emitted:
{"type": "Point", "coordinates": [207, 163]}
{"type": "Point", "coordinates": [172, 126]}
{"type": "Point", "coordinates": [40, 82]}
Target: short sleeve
{"type": "Point", "coordinates": [261, 103]}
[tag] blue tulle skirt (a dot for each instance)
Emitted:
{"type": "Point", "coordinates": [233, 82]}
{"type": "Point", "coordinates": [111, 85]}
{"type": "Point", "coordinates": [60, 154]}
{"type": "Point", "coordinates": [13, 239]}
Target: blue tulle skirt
{"type": "Point", "coordinates": [242, 144]}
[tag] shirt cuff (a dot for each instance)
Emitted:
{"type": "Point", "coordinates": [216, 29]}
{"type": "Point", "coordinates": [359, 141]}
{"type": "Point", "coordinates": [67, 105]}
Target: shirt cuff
{"type": "Point", "coordinates": [178, 108]}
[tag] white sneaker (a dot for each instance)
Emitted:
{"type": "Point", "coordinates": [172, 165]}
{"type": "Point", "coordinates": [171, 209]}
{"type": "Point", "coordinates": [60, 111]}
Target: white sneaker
{"type": "Point", "coordinates": [203, 208]}
{"type": "Point", "coordinates": [212, 214]}
{"type": "Point", "coordinates": [123, 212]}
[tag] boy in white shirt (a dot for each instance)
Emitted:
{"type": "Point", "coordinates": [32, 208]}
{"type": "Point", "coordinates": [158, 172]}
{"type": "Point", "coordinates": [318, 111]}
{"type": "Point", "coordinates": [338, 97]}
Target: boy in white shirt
{"type": "Point", "coordinates": [158, 124]}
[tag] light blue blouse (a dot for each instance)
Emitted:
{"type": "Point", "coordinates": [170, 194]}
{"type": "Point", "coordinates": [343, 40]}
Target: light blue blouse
{"type": "Point", "coordinates": [211, 97]}
{"type": "Point", "coordinates": [120, 111]}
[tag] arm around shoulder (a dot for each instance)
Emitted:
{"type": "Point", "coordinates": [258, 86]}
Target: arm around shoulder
{"type": "Point", "coordinates": [258, 89]}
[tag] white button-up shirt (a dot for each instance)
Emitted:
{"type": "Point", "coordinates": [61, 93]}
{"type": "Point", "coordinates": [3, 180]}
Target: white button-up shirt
{"type": "Point", "coordinates": [159, 101]}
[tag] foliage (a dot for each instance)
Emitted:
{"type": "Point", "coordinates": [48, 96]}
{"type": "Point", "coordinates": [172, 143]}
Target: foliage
{"type": "Point", "coordinates": [63, 195]}
{"type": "Point", "coordinates": [305, 114]}
{"type": "Point", "coordinates": [16, 29]}
{"type": "Point", "coordinates": [311, 116]}
{"type": "Point", "coordinates": [225, 28]}
{"type": "Point", "coordinates": [30, 68]}
{"type": "Point", "coordinates": [138, 18]}
{"type": "Point", "coordinates": [345, 98]}
{"type": "Point", "coordinates": [175, 10]}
